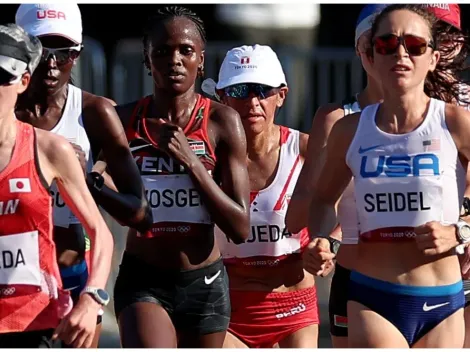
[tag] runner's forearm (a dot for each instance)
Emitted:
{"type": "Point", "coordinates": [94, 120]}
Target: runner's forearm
{"type": "Point", "coordinates": [125, 208]}
{"type": "Point", "coordinates": [231, 217]}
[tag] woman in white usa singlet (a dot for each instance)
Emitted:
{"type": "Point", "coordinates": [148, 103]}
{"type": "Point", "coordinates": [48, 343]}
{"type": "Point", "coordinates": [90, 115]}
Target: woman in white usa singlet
{"type": "Point", "coordinates": [297, 213]}
{"type": "Point", "coordinates": [407, 157]}
{"type": "Point", "coordinates": [273, 299]}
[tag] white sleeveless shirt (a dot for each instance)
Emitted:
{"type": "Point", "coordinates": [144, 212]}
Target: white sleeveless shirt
{"type": "Point", "coordinates": [70, 126]}
{"type": "Point", "coordinates": [347, 214]}
{"type": "Point", "coordinates": [402, 181]}
{"type": "Point", "coordinates": [269, 241]}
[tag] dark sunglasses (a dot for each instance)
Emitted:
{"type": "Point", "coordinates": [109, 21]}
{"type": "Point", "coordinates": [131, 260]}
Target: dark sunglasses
{"type": "Point", "coordinates": [243, 90]}
{"type": "Point", "coordinates": [61, 55]}
{"type": "Point", "coordinates": [7, 78]}
{"type": "Point", "coordinates": [388, 44]}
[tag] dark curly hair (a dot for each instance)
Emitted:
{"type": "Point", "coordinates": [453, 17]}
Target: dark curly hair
{"type": "Point", "coordinates": [166, 13]}
{"type": "Point", "coordinates": [445, 82]}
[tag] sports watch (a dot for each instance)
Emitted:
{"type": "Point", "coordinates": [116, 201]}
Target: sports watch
{"type": "Point", "coordinates": [334, 244]}
{"type": "Point", "coordinates": [95, 180]}
{"type": "Point", "coordinates": [463, 232]}
{"type": "Point", "coordinates": [98, 294]}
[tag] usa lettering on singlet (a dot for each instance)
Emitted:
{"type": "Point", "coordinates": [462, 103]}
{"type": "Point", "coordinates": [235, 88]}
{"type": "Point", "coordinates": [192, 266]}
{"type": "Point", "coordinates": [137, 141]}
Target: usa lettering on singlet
{"type": "Point", "coordinates": [403, 181]}
{"type": "Point", "coordinates": [269, 241]}
{"type": "Point", "coordinates": [70, 126]}
{"type": "Point", "coordinates": [31, 297]}
{"type": "Point", "coordinates": [347, 214]}
{"type": "Point", "coordinates": [176, 204]}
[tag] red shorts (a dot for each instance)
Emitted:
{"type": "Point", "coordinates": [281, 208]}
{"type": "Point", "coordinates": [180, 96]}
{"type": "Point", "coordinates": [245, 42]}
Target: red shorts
{"type": "Point", "coordinates": [261, 319]}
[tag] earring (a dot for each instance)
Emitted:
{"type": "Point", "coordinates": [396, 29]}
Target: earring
{"type": "Point", "coordinates": [200, 71]}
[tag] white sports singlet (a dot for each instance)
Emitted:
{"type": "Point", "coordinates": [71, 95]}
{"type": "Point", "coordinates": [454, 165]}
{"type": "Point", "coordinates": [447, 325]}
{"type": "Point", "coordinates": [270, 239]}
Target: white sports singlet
{"type": "Point", "coordinates": [347, 214]}
{"type": "Point", "coordinates": [270, 241]}
{"type": "Point", "coordinates": [402, 181]}
{"type": "Point", "coordinates": [70, 126]}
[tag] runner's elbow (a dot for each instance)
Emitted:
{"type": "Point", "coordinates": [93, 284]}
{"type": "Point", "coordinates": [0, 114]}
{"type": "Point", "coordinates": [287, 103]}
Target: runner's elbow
{"type": "Point", "coordinates": [142, 218]}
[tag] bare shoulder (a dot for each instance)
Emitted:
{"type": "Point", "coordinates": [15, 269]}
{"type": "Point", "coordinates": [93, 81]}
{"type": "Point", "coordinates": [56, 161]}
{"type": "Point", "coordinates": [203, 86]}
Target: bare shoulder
{"type": "Point", "coordinates": [226, 121]}
{"type": "Point", "coordinates": [98, 104]}
{"type": "Point", "coordinates": [327, 115]}
{"type": "Point", "coordinates": [344, 130]}
{"type": "Point", "coordinates": [54, 147]}
{"type": "Point", "coordinates": [125, 112]}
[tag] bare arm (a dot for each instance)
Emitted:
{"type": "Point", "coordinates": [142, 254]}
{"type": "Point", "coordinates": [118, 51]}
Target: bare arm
{"type": "Point", "coordinates": [58, 161]}
{"type": "Point", "coordinates": [297, 213]}
{"type": "Point", "coordinates": [458, 122]}
{"type": "Point", "coordinates": [129, 205]}
{"type": "Point", "coordinates": [333, 178]}
{"type": "Point", "coordinates": [229, 203]}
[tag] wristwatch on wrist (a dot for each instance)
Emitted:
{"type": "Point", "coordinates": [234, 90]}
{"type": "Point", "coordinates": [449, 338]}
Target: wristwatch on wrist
{"type": "Point", "coordinates": [463, 232]}
{"type": "Point", "coordinates": [97, 180]}
{"type": "Point", "coordinates": [98, 294]}
{"type": "Point", "coordinates": [334, 243]}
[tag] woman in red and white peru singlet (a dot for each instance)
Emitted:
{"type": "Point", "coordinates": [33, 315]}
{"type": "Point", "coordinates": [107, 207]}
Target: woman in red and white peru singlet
{"type": "Point", "coordinates": [408, 157]}
{"type": "Point", "coordinates": [172, 288]}
{"type": "Point", "coordinates": [273, 299]}
{"type": "Point", "coordinates": [34, 307]}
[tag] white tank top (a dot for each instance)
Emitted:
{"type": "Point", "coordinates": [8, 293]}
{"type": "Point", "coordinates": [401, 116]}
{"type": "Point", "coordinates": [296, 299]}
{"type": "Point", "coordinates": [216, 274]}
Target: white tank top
{"type": "Point", "coordinates": [70, 126]}
{"type": "Point", "coordinates": [269, 241]}
{"type": "Point", "coordinates": [347, 214]}
{"type": "Point", "coordinates": [403, 181]}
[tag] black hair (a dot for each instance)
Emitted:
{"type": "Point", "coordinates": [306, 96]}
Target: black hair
{"type": "Point", "coordinates": [166, 13]}
{"type": "Point", "coordinates": [445, 81]}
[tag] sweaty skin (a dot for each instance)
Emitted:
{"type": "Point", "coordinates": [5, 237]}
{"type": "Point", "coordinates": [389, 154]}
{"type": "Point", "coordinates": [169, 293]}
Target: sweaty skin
{"type": "Point", "coordinates": [227, 203]}
{"type": "Point", "coordinates": [42, 106]}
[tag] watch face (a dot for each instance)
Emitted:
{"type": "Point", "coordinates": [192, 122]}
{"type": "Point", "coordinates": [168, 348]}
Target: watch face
{"type": "Point", "coordinates": [103, 294]}
{"type": "Point", "coordinates": [465, 231]}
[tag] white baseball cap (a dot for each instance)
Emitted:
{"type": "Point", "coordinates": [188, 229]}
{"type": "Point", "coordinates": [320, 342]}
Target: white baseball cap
{"type": "Point", "coordinates": [63, 19]}
{"type": "Point", "coordinates": [251, 64]}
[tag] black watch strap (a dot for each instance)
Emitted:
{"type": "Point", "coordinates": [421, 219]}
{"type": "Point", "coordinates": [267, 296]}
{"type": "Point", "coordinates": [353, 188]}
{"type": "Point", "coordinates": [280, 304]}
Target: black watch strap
{"type": "Point", "coordinates": [97, 180]}
{"type": "Point", "coordinates": [334, 245]}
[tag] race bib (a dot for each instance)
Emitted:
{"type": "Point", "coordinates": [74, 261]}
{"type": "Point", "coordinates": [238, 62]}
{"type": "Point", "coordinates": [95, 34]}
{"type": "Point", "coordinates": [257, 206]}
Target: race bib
{"type": "Point", "coordinates": [269, 237]}
{"type": "Point", "coordinates": [19, 264]}
{"type": "Point", "coordinates": [174, 198]}
{"type": "Point", "coordinates": [407, 204]}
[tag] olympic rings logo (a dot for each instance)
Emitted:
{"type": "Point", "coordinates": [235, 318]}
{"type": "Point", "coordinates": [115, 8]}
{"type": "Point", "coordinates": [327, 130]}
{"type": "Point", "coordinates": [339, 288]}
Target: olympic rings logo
{"type": "Point", "coordinates": [184, 229]}
{"type": "Point", "coordinates": [7, 291]}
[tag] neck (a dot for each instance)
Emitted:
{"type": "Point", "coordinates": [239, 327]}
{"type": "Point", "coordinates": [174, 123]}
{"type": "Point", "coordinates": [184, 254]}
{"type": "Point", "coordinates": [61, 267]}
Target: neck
{"type": "Point", "coordinates": [371, 94]}
{"type": "Point", "coordinates": [402, 108]}
{"type": "Point", "coordinates": [43, 100]}
{"type": "Point", "coordinates": [7, 127]}
{"type": "Point", "coordinates": [174, 108]}
{"type": "Point", "coordinates": [260, 144]}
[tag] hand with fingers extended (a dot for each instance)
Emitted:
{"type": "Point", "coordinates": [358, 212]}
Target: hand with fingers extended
{"type": "Point", "coordinates": [80, 155]}
{"type": "Point", "coordinates": [435, 238]}
{"type": "Point", "coordinates": [77, 329]}
{"type": "Point", "coordinates": [172, 140]}
{"type": "Point", "coordinates": [317, 257]}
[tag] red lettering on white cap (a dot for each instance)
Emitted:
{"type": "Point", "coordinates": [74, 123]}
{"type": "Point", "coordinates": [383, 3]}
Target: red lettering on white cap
{"type": "Point", "coordinates": [50, 14]}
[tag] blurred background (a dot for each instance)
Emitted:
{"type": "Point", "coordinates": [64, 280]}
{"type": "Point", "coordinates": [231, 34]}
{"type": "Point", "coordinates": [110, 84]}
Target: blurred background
{"type": "Point", "coordinates": [314, 43]}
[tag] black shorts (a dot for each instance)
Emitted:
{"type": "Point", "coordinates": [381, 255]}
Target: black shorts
{"type": "Point", "coordinates": [466, 290]}
{"type": "Point", "coordinates": [197, 301]}
{"type": "Point", "coordinates": [27, 339]}
{"type": "Point", "coordinates": [338, 304]}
